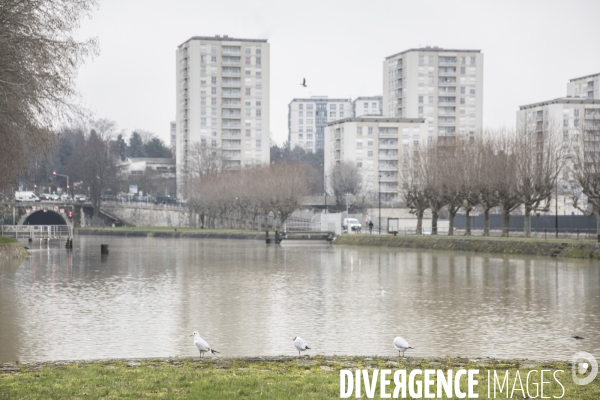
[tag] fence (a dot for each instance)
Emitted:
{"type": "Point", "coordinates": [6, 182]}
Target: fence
{"type": "Point", "coordinates": [577, 234]}
{"type": "Point", "coordinates": [36, 231]}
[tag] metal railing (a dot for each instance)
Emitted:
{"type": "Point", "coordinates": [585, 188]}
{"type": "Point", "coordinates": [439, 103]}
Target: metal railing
{"type": "Point", "coordinates": [36, 231]}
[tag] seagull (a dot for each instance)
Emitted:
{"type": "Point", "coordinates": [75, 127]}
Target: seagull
{"type": "Point", "coordinates": [401, 345]}
{"type": "Point", "coordinates": [300, 344]}
{"type": "Point", "coordinates": [303, 82]}
{"type": "Point", "coordinates": [201, 344]}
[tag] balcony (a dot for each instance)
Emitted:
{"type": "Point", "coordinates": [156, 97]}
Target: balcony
{"type": "Point", "coordinates": [231, 61]}
{"type": "Point", "coordinates": [388, 177]}
{"type": "Point", "coordinates": [231, 123]}
{"type": "Point", "coordinates": [388, 167]}
{"type": "Point", "coordinates": [336, 145]}
{"type": "Point", "coordinates": [386, 133]}
{"type": "Point", "coordinates": [388, 145]}
{"type": "Point", "coordinates": [447, 60]}
{"type": "Point", "coordinates": [387, 156]}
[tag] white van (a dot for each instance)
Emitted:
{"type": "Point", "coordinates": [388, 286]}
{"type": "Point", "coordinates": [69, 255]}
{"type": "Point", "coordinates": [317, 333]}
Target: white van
{"type": "Point", "coordinates": [25, 196]}
{"type": "Point", "coordinates": [351, 224]}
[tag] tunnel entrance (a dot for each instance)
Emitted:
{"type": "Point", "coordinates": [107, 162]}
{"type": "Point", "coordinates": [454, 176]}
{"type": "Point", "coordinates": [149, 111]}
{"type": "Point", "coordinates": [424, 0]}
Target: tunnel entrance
{"type": "Point", "coordinates": [45, 217]}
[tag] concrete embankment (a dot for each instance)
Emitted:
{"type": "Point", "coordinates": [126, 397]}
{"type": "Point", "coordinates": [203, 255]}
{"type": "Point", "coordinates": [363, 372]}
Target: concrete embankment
{"type": "Point", "coordinates": [174, 233]}
{"type": "Point", "coordinates": [516, 246]}
{"type": "Point", "coordinates": [12, 250]}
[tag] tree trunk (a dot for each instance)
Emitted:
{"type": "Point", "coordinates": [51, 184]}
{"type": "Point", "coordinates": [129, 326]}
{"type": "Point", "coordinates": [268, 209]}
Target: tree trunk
{"type": "Point", "coordinates": [451, 216]}
{"type": "Point", "coordinates": [468, 221]}
{"type": "Point", "coordinates": [527, 222]}
{"type": "Point", "coordinates": [434, 221]}
{"type": "Point", "coordinates": [486, 222]}
{"type": "Point", "coordinates": [420, 222]}
{"type": "Point", "coordinates": [505, 221]}
{"type": "Point", "coordinates": [597, 215]}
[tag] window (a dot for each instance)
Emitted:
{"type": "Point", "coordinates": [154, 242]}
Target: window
{"type": "Point", "coordinates": [203, 69]}
{"type": "Point", "coordinates": [248, 91]}
{"type": "Point", "coordinates": [462, 100]}
{"type": "Point", "coordinates": [213, 111]}
{"type": "Point", "coordinates": [332, 114]}
{"type": "Point", "coordinates": [309, 106]}
{"type": "Point", "coordinates": [416, 142]}
{"type": "Point", "coordinates": [370, 130]}
{"type": "Point", "coordinates": [309, 113]}
{"type": "Point", "coordinates": [213, 122]}
{"type": "Point", "coordinates": [421, 60]}
{"type": "Point", "coordinates": [203, 121]}
{"type": "Point", "coordinates": [359, 164]}
{"type": "Point", "coordinates": [203, 100]}
{"type": "Point", "coordinates": [213, 143]}
{"type": "Point", "coordinates": [258, 143]}
{"type": "Point", "coordinates": [258, 51]}
{"type": "Point", "coordinates": [301, 122]}
{"type": "Point", "coordinates": [373, 105]}
{"type": "Point", "coordinates": [471, 91]}
{"type": "Point", "coordinates": [213, 59]}
{"type": "Point", "coordinates": [300, 106]}
{"type": "Point", "coordinates": [248, 50]}
{"type": "Point", "coordinates": [203, 111]}
{"type": "Point", "coordinates": [203, 59]}
{"type": "Point", "coordinates": [430, 100]}
{"type": "Point", "coordinates": [309, 121]}
{"type": "Point", "coordinates": [258, 112]}
{"type": "Point", "coordinates": [248, 133]}
{"type": "Point", "coordinates": [462, 70]}
{"type": "Point", "coordinates": [301, 114]}
{"type": "Point", "coordinates": [213, 101]}
{"type": "Point", "coordinates": [258, 60]}
{"type": "Point", "coordinates": [370, 153]}
{"type": "Point", "coordinates": [341, 114]}
{"type": "Point", "coordinates": [213, 49]}
{"type": "Point", "coordinates": [258, 103]}
{"type": "Point", "coordinates": [309, 136]}
{"type": "Point", "coordinates": [576, 112]}
{"type": "Point", "coordinates": [463, 60]}
{"type": "Point", "coordinates": [430, 59]}
{"type": "Point", "coordinates": [420, 99]}
{"type": "Point", "coordinates": [472, 60]}
{"type": "Point", "coordinates": [213, 90]}
{"type": "Point", "coordinates": [576, 123]}
{"type": "Point", "coordinates": [300, 136]}
{"type": "Point", "coordinates": [366, 105]}
{"type": "Point", "coordinates": [333, 106]}
{"type": "Point", "coordinates": [213, 80]}
{"type": "Point", "coordinates": [420, 110]}
{"type": "Point", "coordinates": [565, 122]}
{"type": "Point", "coordinates": [248, 72]}
{"type": "Point", "coordinates": [248, 60]}
{"type": "Point", "coordinates": [359, 131]}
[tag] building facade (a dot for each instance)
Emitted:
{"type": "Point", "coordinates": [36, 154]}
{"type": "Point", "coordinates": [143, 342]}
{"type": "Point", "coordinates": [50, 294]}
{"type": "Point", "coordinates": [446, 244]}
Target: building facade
{"type": "Point", "coordinates": [587, 87]}
{"type": "Point", "coordinates": [173, 136]}
{"type": "Point", "coordinates": [223, 87]}
{"type": "Point", "coordinates": [367, 105]}
{"type": "Point", "coordinates": [307, 119]}
{"type": "Point", "coordinates": [443, 86]}
{"type": "Point", "coordinates": [378, 146]}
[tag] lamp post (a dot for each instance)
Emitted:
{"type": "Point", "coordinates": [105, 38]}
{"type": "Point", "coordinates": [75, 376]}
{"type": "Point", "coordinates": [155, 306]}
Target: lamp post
{"type": "Point", "coordinates": [379, 197]}
{"type": "Point", "coordinates": [67, 176]}
{"type": "Point", "coordinates": [556, 208]}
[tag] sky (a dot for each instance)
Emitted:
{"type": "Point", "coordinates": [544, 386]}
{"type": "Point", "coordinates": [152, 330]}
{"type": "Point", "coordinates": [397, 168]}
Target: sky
{"type": "Point", "coordinates": [531, 49]}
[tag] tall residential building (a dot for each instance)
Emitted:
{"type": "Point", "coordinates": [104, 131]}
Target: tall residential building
{"type": "Point", "coordinates": [367, 105]}
{"type": "Point", "coordinates": [173, 137]}
{"type": "Point", "coordinates": [223, 87]}
{"type": "Point", "coordinates": [587, 87]}
{"type": "Point", "coordinates": [443, 86]}
{"type": "Point", "coordinates": [378, 146]}
{"type": "Point", "coordinates": [307, 119]}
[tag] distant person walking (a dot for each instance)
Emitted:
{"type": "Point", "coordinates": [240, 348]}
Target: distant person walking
{"type": "Point", "coordinates": [370, 226]}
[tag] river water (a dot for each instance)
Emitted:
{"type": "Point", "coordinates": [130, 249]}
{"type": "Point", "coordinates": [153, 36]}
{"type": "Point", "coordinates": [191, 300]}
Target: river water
{"type": "Point", "coordinates": [247, 298]}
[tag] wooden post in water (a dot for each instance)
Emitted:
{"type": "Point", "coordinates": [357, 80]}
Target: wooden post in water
{"type": "Point", "coordinates": [104, 249]}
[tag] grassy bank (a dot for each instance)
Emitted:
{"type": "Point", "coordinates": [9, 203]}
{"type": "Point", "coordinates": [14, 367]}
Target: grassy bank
{"type": "Point", "coordinates": [4, 239]}
{"type": "Point", "coordinates": [170, 232]}
{"type": "Point", "coordinates": [521, 246]}
{"type": "Point", "coordinates": [272, 378]}
{"type": "Point", "coordinates": [11, 249]}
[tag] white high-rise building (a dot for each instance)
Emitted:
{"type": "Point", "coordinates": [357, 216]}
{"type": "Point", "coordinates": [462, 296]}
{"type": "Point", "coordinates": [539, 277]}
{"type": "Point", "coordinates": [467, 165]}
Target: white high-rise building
{"type": "Point", "coordinates": [173, 135]}
{"type": "Point", "coordinates": [443, 86]}
{"type": "Point", "coordinates": [367, 105]}
{"type": "Point", "coordinates": [223, 87]}
{"type": "Point", "coordinates": [587, 87]}
{"type": "Point", "coordinates": [379, 146]}
{"type": "Point", "coordinates": [307, 119]}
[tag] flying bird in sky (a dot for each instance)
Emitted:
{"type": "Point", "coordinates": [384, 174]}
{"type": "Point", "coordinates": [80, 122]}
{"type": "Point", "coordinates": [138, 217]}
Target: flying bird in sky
{"type": "Point", "coordinates": [303, 82]}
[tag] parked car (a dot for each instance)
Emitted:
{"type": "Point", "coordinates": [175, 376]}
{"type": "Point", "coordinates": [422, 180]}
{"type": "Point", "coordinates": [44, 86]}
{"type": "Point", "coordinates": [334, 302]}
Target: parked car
{"type": "Point", "coordinates": [65, 197]}
{"type": "Point", "coordinates": [108, 197]}
{"type": "Point", "coordinates": [140, 199]}
{"type": "Point", "coordinates": [165, 200]}
{"type": "Point", "coordinates": [81, 198]}
{"type": "Point", "coordinates": [45, 196]}
{"type": "Point", "coordinates": [54, 197]}
{"type": "Point", "coordinates": [351, 223]}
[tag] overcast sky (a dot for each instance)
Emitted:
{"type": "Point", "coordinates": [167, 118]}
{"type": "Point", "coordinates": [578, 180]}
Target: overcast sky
{"type": "Point", "coordinates": [531, 49]}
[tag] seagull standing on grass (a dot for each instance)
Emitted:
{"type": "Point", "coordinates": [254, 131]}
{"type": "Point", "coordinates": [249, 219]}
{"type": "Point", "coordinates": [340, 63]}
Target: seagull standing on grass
{"type": "Point", "coordinates": [300, 344]}
{"type": "Point", "coordinates": [201, 344]}
{"type": "Point", "coordinates": [401, 345]}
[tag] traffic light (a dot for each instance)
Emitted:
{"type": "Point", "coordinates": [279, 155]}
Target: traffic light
{"type": "Point", "coordinates": [71, 214]}
{"type": "Point", "coordinates": [54, 173]}
{"type": "Point", "coordinates": [68, 186]}
{"type": "Point", "coordinates": [34, 186]}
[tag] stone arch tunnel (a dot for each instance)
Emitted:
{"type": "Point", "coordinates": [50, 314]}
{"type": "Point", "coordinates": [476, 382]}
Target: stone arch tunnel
{"type": "Point", "coordinates": [44, 217]}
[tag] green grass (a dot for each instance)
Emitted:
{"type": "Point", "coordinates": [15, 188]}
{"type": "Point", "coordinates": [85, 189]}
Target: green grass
{"type": "Point", "coordinates": [314, 378]}
{"type": "Point", "coordinates": [4, 239]}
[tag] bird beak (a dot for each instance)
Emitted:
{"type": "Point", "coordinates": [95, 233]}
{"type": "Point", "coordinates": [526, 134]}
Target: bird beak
{"type": "Point", "coordinates": [192, 334]}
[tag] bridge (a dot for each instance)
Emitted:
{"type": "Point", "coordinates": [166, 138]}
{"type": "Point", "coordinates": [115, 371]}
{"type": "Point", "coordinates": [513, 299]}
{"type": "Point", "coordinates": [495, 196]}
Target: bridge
{"type": "Point", "coordinates": [41, 232]}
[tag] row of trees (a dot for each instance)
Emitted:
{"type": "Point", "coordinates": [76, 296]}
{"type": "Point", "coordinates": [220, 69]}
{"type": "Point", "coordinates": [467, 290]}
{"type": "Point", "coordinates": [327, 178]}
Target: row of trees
{"type": "Point", "coordinates": [250, 192]}
{"type": "Point", "coordinates": [506, 169]}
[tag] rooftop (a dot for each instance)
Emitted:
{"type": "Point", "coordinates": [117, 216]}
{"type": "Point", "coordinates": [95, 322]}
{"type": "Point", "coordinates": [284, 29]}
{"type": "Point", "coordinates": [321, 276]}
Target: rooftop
{"type": "Point", "coordinates": [433, 49]}
{"type": "Point", "coordinates": [319, 99]}
{"type": "Point", "coordinates": [585, 77]}
{"type": "Point", "coordinates": [377, 119]}
{"type": "Point", "coordinates": [223, 38]}
{"type": "Point", "coordinates": [561, 100]}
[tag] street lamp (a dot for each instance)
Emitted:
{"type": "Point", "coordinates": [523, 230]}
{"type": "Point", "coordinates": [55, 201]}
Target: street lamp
{"type": "Point", "coordinates": [67, 176]}
{"type": "Point", "coordinates": [379, 196]}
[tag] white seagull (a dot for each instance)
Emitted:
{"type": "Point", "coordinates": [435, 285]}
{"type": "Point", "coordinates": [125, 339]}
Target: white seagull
{"type": "Point", "coordinates": [201, 344]}
{"type": "Point", "coordinates": [401, 345]}
{"type": "Point", "coordinates": [300, 344]}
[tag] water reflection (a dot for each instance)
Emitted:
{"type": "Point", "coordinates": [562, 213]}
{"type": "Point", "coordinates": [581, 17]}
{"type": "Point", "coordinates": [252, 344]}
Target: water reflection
{"type": "Point", "coordinates": [247, 298]}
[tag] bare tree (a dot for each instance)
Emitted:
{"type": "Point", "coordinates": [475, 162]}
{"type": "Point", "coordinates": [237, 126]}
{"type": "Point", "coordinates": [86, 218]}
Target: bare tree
{"type": "Point", "coordinates": [452, 169]}
{"type": "Point", "coordinates": [39, 59]}
{"type": "Point", "coordinates": [540, 155]}
{"type": "Point", "coordinates": [413, 187]}
{"type": "Point", "coordinates": [488, 197]}
{"type": "Point", "coordinates": [288, 184]}
{"type": "Point", "coordinates": [469, 180]}
{"type": "Point", "coordinates": [432, 164]}
{"type": "Point", "coordinates": [346, 179]}
{"type": "Point", "coordinates": [584, 166]}
{"type": "Point", "coordinates": [504, 175]}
